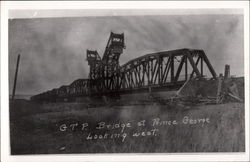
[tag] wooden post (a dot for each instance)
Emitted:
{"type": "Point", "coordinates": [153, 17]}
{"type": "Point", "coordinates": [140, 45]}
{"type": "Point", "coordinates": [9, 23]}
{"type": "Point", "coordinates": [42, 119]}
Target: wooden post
{"type": "Point", "coordinates": [14, 88]}
{"type": "Point", "coordinates": [219, 89]}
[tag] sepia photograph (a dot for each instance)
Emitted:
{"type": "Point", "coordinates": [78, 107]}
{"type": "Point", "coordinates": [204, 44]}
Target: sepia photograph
{"type": "Point", "coordinates": [95, 81]}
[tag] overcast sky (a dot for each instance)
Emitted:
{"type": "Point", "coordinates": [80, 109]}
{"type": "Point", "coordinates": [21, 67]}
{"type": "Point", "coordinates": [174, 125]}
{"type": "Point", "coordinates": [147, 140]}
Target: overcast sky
{"type": "Point", "coordinates": [53, 50]}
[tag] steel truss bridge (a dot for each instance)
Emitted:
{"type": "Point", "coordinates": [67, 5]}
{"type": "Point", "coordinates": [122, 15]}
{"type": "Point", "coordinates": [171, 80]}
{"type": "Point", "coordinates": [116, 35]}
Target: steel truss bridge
{"type": "Point", "coordinates": [161, 71]}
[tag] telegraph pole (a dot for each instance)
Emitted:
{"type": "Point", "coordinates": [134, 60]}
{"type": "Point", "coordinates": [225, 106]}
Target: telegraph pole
{"type": "Point", "coordinates": [14, 87]}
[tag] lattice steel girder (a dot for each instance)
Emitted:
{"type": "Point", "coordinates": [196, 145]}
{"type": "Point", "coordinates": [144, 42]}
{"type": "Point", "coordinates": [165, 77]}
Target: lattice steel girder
{"type": "Point", "coordinates": [79, 87]}
{"type": "Point", "coordinates": [154, 69]}
{"type": "Point", "coordinates": [158, 70]}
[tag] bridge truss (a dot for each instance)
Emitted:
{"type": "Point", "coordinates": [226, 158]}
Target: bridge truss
{"type": "Point", "coordinates": [167, 70]}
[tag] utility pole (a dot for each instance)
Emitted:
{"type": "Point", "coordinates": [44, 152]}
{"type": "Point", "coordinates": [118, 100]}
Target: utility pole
{"type": "Point", "coordinates": [14, 88]}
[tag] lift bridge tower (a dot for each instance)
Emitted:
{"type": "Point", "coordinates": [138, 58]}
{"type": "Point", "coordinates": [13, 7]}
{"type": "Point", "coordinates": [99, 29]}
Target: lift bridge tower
{"type": "Point", "coordinates": [104, 72]}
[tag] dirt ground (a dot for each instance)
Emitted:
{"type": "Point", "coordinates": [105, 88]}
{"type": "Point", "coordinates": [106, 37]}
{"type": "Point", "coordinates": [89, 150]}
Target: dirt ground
{"type": "Point", "coordinates": [153, 128]}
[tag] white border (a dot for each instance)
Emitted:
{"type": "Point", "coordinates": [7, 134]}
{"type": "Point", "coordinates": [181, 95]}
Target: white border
{"type": "Point", "coordinates": [6, 6]}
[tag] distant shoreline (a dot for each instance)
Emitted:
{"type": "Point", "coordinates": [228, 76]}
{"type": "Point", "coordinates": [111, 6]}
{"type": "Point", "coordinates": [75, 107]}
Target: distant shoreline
{"type": "Point", "coordinates": [21, 96]}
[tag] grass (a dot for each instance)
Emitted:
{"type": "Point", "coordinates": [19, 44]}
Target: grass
{"type": "Point", "coordinates": [35, 128]}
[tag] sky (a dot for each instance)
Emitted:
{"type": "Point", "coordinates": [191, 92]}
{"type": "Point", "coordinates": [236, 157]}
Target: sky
{"type": "Point", "coordinates": [53, 50]}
